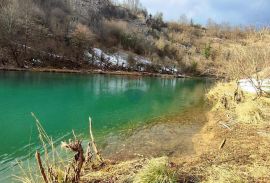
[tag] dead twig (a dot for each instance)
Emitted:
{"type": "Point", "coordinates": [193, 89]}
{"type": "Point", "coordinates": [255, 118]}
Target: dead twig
{"type": "Point", "coordinates": [42, 171]}
{"type": "Point", "coordinates": [97, 153]}
{"type": "Point", "coordinates": [225, 125]}
{"type": "Point", "coordinates": [89, 153]}
{"type": "Point", "coordinates": [222, 144]}
{"type": "Point", "coordinates": [76, 146]}
{"type": "Point", "coordinates": [66, 174]}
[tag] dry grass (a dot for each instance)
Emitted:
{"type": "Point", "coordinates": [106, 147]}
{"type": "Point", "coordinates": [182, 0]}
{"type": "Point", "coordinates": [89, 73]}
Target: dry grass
{"type": "Point", "coordinates": [227, 173]}
{"type": "Point", "coordinates": [51, 159]}
{"type": "Point", "coordinates": [223, 174]}
{"type": "Point", "coordinates": [244, 124]}
{"type": "Point", "coordinates": [158, 171]}
{"type": "Point", "coordinates": [233, 173]}
{"type": "Point", "coordinates": [120, 172]}
{"type": "Point", "coordinates": [251, 110]}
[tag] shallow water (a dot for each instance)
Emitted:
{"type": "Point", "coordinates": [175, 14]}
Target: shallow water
{"type": "Point", "coordinates": [63, 102]}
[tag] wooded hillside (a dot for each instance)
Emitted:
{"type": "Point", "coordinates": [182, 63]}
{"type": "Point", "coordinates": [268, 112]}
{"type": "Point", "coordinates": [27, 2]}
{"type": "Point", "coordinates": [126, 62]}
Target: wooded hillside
{"type": "Point", "coordinates": [62, 34]}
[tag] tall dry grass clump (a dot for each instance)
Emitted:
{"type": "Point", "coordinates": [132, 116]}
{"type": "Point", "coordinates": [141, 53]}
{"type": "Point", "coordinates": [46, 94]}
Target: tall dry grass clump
{"type": "Point", "coordinates": [52, 168]}
{"type": "Point", "coordinates": [157, 171]}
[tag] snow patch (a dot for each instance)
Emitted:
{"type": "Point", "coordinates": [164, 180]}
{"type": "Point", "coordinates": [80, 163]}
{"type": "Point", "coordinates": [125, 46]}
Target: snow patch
{"type": "Point", "coordinates": [252, 85]}
{"type": "Point", "coordinates": [120, 59]}
{"type": "Point", "coordinates": [114, 59]}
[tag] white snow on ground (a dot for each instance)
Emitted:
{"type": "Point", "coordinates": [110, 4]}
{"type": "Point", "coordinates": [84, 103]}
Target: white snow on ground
{"type": "Point", "coordinates": [142, 60]}
{"type": "Point", "coordinates": [251, 85]}
{"type": "Point", "coordinates": [116, 59]}
{"type": "Point", "coordinates": [121, 59]}
{"type": "Point", "coordinates": [169, 69]}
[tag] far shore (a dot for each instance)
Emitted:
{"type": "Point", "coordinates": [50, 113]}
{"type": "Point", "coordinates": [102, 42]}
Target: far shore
{"type": "Point", "coordinates": [95, 71]}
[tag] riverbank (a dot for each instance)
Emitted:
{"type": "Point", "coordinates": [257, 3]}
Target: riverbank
{"type": "Point", "coordinates": [95, 71]}
{"type": "Point", "coordinates": [227, 149]}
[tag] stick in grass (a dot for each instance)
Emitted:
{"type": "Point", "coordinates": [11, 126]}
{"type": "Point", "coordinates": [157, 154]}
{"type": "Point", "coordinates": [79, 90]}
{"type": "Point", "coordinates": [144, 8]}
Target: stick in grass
{"type": "Point", "coordinates": [98, 156]}
{"type": "Point", "coordinates": [222, 144]}
{"type": "Point", "coordinates": [42, 171]}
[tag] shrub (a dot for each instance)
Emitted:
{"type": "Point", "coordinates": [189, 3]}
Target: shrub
{"type": "Point", "coordinates": [193, 67]}
{"type": "Point", "coordinates": [115, 28]}
{"type": "Point", "coordinates": [176, 27]}
{"type": "Point", "coordinates": [81, 40]}
{"type": "Point", "coordinates": [207, 51]}
{"type": "Point", "coordinates": [156, 22]}
{"type": "Point", "coordinates": [112, 32]}
{"type": "Point", "coordinates": [135, 42]}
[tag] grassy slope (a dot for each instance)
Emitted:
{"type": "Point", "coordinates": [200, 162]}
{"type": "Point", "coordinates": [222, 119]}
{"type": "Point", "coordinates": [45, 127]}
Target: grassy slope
{"type": "Point", "coordinates": [245, 156]}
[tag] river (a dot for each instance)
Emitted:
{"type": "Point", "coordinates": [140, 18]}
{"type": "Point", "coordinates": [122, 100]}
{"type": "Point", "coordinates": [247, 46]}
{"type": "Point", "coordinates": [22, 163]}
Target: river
{"type": "Point", "coordinates": [63, 102]}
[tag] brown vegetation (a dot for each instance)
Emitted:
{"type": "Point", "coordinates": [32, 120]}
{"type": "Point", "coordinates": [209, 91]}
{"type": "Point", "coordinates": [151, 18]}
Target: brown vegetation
{"type": "Point", "coordinates": [58, 33]}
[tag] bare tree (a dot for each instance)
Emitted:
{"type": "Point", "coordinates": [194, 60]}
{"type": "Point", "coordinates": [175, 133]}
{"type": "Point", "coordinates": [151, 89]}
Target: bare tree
{"type": "Point", "coordinates": [82, 38]}
{"type": "Point", "coordinates": [26, 16]}
{"type": "Point", "coordinates": [132, 4]}
{"type": "Point", "coordinates": [9, 17]}
{"type": "Point", "coordinates": [184, 19]}
{"type": "Point", "coordinates": [9, 20]}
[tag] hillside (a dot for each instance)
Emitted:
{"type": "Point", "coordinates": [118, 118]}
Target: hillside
{"type": "Point", "coordinates": [102, 35]}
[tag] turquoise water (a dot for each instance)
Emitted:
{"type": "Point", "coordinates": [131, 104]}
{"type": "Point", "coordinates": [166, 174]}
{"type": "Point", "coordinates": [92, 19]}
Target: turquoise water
{"type": "Point", "coordinates": [63, 102]}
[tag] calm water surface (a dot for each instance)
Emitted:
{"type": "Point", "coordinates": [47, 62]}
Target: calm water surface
{"type": "Point", "coordinates": [63, 102]}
